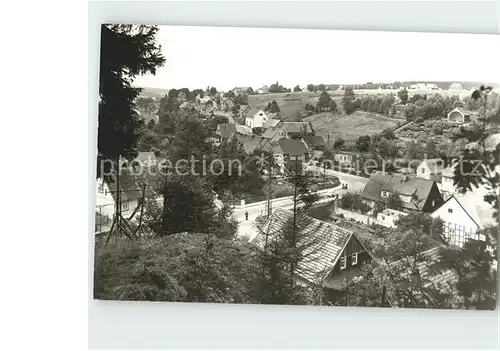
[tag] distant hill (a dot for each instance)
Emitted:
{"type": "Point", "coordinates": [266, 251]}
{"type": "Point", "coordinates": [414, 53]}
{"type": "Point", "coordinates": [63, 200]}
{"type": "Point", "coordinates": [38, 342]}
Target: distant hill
{"type": "Point", "coordinates": [153, 92]}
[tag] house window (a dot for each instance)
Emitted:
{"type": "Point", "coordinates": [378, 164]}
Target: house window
{"type": "Point", "coordinates": [354, 258]}
{"type": "Point", "coordinates": [450, 210]}
{"type": "Point", "coordinates": [383, 217]}
{"type": "Point", "coordinates": [433, 203]}
{"type": "Point", "coordinates": [101, 188]}
{"type": "Point", "coordinates": [423, 170]}
{"type": "Point", "coordinates": [343, 263]}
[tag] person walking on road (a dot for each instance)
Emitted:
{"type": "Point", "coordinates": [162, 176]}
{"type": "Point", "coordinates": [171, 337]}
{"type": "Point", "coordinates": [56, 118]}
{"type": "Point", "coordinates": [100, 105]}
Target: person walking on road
{"type": "Point", "coordinates": [246, 215]}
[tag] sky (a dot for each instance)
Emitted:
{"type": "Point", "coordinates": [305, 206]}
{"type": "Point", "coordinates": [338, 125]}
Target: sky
{"type": "Point", "coordinates": [226, 57]}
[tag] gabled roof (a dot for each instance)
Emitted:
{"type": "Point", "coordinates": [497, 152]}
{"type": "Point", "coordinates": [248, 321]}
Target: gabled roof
{"type": "Point", "coordinates": [226, 130]}
{"type": "Point", "coordinates": [323, 242]}
{"type": "Point", "coordinates": [244, 108]}
{"type": "Point", "coordinates": [269, 133]}
{"type": "Point", "coordinates": [292, 147]}
{"type": "Point", "coordinates": [427, 265]}
{"type": "Point", "coordinates": [482, 212]}
{"type": "Point", "coordinates": [297, 127]}
{"type": "Point", "coordinates": [271, 122]}
{"type": "Point", "coordinates": [471, 213]}
{"type": "Point", "coordinates": [253, 142]}
{"type": "Point", "coordinates": [418, 188]}
{"type": "Point", "coordinates": [254, 111]}
{"type": "Point", "coordinates": [314, 140]}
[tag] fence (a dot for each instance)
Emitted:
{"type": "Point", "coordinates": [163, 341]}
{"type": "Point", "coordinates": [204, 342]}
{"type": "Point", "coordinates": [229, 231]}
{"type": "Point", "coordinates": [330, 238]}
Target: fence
{"type": "Point", "coordinates": [360, 218]}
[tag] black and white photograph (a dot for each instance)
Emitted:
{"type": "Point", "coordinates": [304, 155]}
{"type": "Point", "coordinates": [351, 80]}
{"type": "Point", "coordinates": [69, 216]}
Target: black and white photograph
{"type": "Point", "coordinates": [312, 167]}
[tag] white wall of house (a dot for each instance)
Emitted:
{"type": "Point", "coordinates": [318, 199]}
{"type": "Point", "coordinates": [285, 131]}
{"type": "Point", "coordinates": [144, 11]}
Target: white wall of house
{"type": "Point", "coordinates": [423, 171]}
{"type": "Point", "coordinates": [458, 225]}
{"type": "Point", "coordinates": [447, 185]}
{"type": "Point", "coordinates": [343, 159]}
{"type": "Point", "coordinates": [256, 120]}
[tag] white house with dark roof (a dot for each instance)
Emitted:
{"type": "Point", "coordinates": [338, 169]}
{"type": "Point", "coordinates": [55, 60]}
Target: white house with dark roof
{"type": "Point", "coordinates": [416, 194]}
{"type": "Point", "coordinates": [333, 255]}
{"type": "Point", "coordinates": [460, 221]}
{"type": "Point", "coordinates": [257, 119]}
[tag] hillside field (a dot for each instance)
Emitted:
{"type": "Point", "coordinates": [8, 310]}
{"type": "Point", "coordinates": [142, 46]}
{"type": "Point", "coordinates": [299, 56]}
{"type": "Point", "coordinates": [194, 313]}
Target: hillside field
{"type": "Point", "coordinates": [350, 127]}
{"type": "Point", "coordinates": [289, 103]}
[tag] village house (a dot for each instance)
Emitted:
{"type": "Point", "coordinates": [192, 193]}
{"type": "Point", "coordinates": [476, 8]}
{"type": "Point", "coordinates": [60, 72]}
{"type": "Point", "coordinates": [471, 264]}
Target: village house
{"type": "Point", "coordinates": [434, 169]}
{"type": "Point", "coordinates": [275, 133]}
{"type": "Point", "coordinates": [345, 158]}
{"type": "Point", "coordinates": [459, 116]}
{"type": "Point", "coordinates": [104, 207]}
{"type": "Point", "coordinates": [263, 90]}
{"type": "Point", "coordinates": [461, 221]}
{"type": "Point", "coordinates": [226, 131]}
{"type": "Point", "coordinates": [297, 130]}
{"type": "Point", "coordinates": [243, 111]}
{"type": "Point", "coordinates": [291, 130]}
{"type": "Point", "coordinates": [254, 142]}
{"type": "Point", "coordinates": [334, 254]}
{"type": "Point", "coordinates": [271, 123]}
{"type": "Point", "coordinates": [240, 90]}
{"type": "Point", "coordinates": [316, 145]}
{"type": "Point", "coordinates": [257, 119]}
{"type": "Point", "coordinates": [416, 194]}
{"type": "Point", "coordinates": [290, 150]}
{"type": "Point", "coordinates": [131, 187]}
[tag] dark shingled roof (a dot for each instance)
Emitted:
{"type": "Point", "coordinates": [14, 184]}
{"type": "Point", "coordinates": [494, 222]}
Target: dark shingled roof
{"type": "Point", "coordinates": [416, 187]}
{"type": "Point", "coordinates": [269, 133]}
{"type": "Point", "coordinates": [314, 140]}
{"type": "Point", "coordinates": [292, 147]}
{"type": "Point", "coordinates": [252, 142]}
{"type": "Point", "coordinates": [430, 272]}
{"type": "Point", "coordinates": [271, 122]}
{"type": "Point", "coordinates": [323, 242]}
